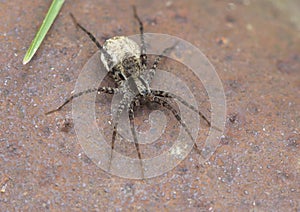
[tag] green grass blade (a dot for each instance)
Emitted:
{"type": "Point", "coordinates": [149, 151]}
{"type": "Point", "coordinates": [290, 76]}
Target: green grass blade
{"type": "Point", "coordinates": [47, 22]}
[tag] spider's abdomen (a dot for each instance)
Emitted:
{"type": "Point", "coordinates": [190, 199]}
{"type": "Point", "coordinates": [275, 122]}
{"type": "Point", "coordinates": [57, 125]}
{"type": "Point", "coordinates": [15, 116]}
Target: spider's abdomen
{"type": "Point", "coordinates": [119, 48]}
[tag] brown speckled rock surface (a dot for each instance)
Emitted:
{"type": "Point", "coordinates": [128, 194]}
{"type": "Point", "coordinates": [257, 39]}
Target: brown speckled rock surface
{"type": "Point", "coordinates": [255, 48]}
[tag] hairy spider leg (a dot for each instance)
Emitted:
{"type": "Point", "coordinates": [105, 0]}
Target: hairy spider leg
{"type": "Point", "coordinates": [107, 90]}
{"type": "Point", "coordinates": [93, 38]}
{"type": "Point", "coordinates": [136, 143]}
{"type": "Point", "coordinates": [177, 116]}
{"type": "Point", "coordinates": [143, 55]}
{"type": "Point", "coordinates": [125, 103]}
{"type": "Point", "coordinates": [150, 74]}
{"type": "Point", "coordinates": [174, 96]}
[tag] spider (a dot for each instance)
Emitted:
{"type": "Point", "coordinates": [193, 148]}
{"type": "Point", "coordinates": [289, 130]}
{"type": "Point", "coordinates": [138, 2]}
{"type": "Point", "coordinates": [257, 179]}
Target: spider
{"type": "Point", "coordinates": [126, 61]}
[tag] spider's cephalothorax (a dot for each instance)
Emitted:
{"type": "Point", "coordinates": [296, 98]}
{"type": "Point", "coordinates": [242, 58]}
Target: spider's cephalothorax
{"type": "Point", "coordinates": [126, 61]}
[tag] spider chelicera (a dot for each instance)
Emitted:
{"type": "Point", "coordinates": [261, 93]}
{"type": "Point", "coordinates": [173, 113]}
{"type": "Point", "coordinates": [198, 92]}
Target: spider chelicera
{"type": "Point", "coordinates": [126, 61]}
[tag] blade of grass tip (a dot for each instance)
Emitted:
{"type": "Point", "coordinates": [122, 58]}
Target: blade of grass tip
{"type": "Point", "coordinates": [40, 35]}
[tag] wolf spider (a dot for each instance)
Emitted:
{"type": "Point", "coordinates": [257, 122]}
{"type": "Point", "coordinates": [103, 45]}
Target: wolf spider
{"type": "Point", "coordinates": [127, 63]}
